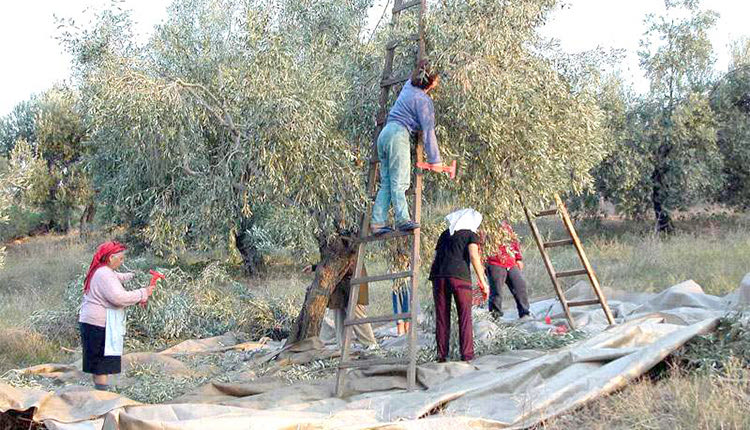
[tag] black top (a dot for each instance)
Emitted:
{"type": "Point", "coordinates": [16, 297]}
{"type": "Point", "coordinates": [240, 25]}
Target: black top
{"type": "Point", "coordinates": [452, 255]}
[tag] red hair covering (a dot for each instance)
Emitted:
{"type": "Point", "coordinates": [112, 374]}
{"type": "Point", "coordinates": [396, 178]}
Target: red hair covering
{"type": "Point", "coordinates": [103, 253]}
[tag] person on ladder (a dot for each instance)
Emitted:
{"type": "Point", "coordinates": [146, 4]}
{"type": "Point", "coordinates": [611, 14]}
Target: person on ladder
{"type": "Point", "coordinates": [412, 112]}
{"type": "Point", "coordinates": [457, 250]}
{"type": "Point", "coordinates": [506, 267]}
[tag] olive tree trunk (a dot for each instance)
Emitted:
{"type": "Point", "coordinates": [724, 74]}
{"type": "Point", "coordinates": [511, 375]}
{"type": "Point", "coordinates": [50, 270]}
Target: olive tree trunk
{"type": "Point", "coordinates": [335, 260]}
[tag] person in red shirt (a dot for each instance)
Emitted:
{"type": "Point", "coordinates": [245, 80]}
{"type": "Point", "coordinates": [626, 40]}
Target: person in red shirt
{"type": "Point", "coordinates": [506, 267]}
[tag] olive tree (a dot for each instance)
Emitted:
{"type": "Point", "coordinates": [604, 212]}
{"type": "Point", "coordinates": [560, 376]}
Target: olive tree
{"type": "Point", "coordinates": [676, 56]}
{"type": "Point", "coordinates": [52, 126]}
{"type": "Point", "coordinates": [730, 101]}
{"type": "Point", "coordinates": [238, 107]}
{"type": "Point", "coordinates": [16, 173]}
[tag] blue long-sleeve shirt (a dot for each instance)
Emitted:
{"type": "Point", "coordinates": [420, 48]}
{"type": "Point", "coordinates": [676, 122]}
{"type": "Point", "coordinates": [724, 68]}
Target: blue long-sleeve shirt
{"type": "Point", "coordinates": [414, 110]}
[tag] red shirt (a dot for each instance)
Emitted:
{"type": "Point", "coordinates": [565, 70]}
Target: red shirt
{"type": "Point", "coordinates": [507, 255]}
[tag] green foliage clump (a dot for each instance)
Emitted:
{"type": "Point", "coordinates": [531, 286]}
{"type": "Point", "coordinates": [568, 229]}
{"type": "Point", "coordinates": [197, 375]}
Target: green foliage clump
{"type": "Point", "coordinates": [712, 352]}
{"type": "Point", "coordinates": [506, 112]}
{"type": "Point", "coordinates": [183, 306]}
{"type": "Point", "coordinates": [19, 124]}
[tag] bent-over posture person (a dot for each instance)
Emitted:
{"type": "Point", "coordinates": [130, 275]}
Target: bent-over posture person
{"type": "Point", "coordinates": [338, 302]}
{"type": "Point", "coordinates": [102, 317]}
{"type": "Point", "coordinates": [412, 112]}
{"type": "Point", "coordinates": [506, 267]}
{"type": "Point", "coordinates": [457, 249]}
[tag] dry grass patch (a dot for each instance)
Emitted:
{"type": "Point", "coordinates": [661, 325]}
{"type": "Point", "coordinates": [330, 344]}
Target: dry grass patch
{"type": "Point", "coordinates": [23, 348]}
{"type": "Point", "coordinates": [680, 401]}
{"type": "Point", "coordinates": [36, 272]}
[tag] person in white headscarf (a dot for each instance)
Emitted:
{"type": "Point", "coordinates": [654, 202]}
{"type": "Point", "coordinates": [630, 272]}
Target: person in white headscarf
{"type": "Point", "coordinates": [457, 250]}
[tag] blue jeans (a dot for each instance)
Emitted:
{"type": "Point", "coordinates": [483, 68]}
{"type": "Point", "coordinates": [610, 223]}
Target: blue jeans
{"type": "Point", "coordinates": [400, 299]}
{"type": "Point", "coordinates": [394, 152]}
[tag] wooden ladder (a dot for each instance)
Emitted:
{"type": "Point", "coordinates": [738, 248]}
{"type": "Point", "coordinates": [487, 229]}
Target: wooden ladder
{"type": "Point", "coordinates": [554, 275]}
{"type": "Point", "coordinates": [387, 82]}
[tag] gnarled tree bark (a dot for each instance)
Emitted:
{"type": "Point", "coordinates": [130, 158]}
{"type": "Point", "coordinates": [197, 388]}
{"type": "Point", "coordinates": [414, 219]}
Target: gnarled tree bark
{"type": "Point", "coordinates": [336, 258]}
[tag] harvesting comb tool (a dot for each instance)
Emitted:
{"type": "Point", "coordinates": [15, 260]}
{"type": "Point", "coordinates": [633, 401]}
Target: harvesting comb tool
{"type": "Point", "coordinates": [155, 276]}
{"type": "Point", "coordinates": [451, 170]}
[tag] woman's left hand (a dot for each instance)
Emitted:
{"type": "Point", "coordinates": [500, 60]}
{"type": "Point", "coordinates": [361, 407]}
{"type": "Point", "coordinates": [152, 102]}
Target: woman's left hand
{"type": "Point", "coordinates": [519, 263]}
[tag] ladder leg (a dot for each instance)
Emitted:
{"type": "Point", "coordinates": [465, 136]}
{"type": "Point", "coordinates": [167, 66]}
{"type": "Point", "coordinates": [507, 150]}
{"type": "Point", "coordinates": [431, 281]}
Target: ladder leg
{"type": "Point", "coordinates": [584, 260]}
{"type": "Point", "coordinates": [414, 297]}
{"type": "Point", "coordinates": [353, 298]}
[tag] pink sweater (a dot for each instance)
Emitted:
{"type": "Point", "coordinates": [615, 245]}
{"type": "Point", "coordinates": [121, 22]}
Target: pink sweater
{"type": "Point", "coordinates": [106, 291]}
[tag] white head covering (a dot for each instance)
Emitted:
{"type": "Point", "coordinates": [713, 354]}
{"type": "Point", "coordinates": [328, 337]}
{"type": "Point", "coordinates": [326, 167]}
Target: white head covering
{"type": "Point", "coordinates": [463, 219]}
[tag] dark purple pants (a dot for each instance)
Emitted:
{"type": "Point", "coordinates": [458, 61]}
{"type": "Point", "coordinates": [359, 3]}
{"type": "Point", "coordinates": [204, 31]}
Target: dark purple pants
{"type": "Point", "coordinates": [442, 291]}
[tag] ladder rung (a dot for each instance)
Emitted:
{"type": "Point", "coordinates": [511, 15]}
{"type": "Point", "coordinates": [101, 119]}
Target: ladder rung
{"type": "Point", "coordinates": [384, 236]}
{"type": "Point", "coordinates": [406, 5]}
{"type": "Point", "coordinates": [395, 42]}
{"type": "Point", "coordinates": [555, 243]}
{"type": "Point", "coordinates": [384, 318]}
{"type": "Point", "coordinates": [385, 277]}
{"type": "Point", "coordinates": [584, 302]}
{"type": "Point", "coordinates": [571, 273]}
{"type": "Point", "coordinates": [547, 212]}
{"type": "Point", "coordinates": [372, 362]}
{"type": "Point", "coordinates": [393, 81]}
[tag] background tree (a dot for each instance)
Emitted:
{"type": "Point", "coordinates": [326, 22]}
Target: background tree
{"type": "Point", "coordinates": [676, 55]}
{"type": "Point", "coordinates": [15, 175]}
{"type": "Point", "coordinates": [53, 128]}
{"type": "Point", "coordinates": [61, 133]}
{"type": "Point", "coordinates": [730, 101]}
{"type": "Point", "coordinates": [19, 124]}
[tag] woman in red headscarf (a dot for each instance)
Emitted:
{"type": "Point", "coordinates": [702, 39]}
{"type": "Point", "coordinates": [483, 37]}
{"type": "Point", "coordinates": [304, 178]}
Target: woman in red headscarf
{"type": "Point", "coordinates": [103, 293]}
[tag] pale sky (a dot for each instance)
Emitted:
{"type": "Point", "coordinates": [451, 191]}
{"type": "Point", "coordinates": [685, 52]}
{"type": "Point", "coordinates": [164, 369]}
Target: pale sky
{"type": "Point", "coordinates": [33, 61]}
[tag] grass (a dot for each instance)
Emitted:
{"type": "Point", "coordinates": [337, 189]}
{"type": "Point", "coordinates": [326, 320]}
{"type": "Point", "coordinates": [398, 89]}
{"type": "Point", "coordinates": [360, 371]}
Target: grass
{"type": "Point", "coordinates": [34, 279]}
{"type": "Point", "coordinates": [23, 348]}
{"type": "Point", "coordinates": [680, 401]}
{"type": "Point", "coordinates": [36, 272]}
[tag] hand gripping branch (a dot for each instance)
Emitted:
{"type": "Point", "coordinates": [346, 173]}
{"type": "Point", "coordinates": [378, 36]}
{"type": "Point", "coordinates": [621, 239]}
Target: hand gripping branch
{"type": "Point", "coordinates": [440, 169]}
